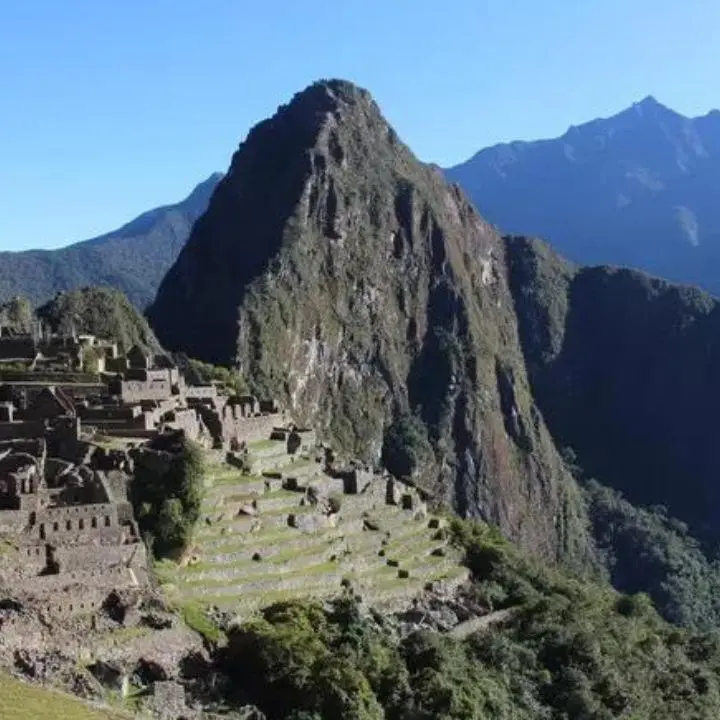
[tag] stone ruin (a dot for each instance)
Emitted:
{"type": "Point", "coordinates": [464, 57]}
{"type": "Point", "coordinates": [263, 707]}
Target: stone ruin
{"type": "Point", "coordinates": [69, 540]}
{"type": "Point", "coordinates": [68, 532]}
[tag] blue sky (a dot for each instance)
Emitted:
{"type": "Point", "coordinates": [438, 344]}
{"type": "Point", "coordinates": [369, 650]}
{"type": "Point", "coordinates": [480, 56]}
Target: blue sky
{"type": "Point", "coordinates": [110, 108]}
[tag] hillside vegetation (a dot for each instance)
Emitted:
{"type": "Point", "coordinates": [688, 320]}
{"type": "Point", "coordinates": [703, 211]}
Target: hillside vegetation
{"type": "Point", "coordinates": [22, 701]}
{"type": "Point", "coordinates": [565, 649]}
{"type": "Point", "coordinates": [624, 369]}
{"type": "Point", "coordinates": [99, 311]}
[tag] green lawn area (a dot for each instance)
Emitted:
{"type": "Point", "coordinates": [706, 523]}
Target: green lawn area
{"type": "Point", "coordinates": [265, 444]}
{"type": "Point", "coordinates": [22, 701]}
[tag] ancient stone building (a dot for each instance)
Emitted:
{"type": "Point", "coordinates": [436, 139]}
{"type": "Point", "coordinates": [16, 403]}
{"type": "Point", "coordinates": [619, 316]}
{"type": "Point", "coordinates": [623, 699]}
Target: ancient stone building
{"type": "Point", "coordinates": [69, 539]}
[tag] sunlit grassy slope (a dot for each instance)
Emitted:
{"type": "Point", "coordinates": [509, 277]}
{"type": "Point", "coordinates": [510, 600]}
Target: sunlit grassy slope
{"type": "Point", "coordinates": [22, 701]}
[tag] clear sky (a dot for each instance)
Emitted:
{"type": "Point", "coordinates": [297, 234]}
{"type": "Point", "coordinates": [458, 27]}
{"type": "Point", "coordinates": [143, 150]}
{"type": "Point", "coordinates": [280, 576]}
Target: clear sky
{"type": "Point", "coordinates": [110, 107]}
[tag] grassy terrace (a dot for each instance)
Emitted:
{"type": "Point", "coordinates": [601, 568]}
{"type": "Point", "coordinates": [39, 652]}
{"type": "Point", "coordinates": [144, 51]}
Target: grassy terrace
{"type": "Point", "coordinates": [244, 562]}
{"type": "Point", "coordinates": [22, 701]}
{"type": "Point", "coordinates": [263, 444]}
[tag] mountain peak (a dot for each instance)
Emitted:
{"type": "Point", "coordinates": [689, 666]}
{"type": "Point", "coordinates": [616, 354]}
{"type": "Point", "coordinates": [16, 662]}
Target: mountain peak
{"type": "Point", "coordinates": [337, 272]}
{"type": "Point", "coordinates": [649, 108]}
{"type": "Point", "coordinates": [335, 90]}
{"type": "Point", "coordinates": [323, 97]}
{"type": "Point", "coordinates": [647, 102]}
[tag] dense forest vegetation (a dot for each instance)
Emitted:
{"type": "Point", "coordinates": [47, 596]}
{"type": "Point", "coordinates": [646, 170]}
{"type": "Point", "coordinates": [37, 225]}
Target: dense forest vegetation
{"type": "Point", "coordinates": [568, 649]}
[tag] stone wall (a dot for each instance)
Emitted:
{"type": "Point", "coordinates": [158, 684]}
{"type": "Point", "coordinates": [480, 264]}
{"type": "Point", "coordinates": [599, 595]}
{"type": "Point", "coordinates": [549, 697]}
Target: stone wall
{"type": "Point", "coordinates": [186, 420]}
{"type": "Point", "coordinates": [250, 429]}
{"type": "Point", "coordinates": [145, 421]}
{"type": "Point", "coordinates": [13, 521]}
{"type": "Point", "coordinates": [33, 446]}
{"type": "Point", "coordinates": [81, 558]}
{"type": "Point", "coordinates": [29, 429]}
{"type": "Point", "coordinates": [110, 412]}
{"type": "Point", "coordinates": [80, 523]}
{"type": "Point", "coordinates": [35, 384]}
{"type": "Point", "coordinates": [200, 392]}
{"type": "Point", "coordinates": [76, 600]}
{"type": "Point", "coordinates": [135, 391]}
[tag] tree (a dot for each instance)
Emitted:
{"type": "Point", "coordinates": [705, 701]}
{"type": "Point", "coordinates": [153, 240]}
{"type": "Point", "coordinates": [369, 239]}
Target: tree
{"type": "Point", "coordinates": [166, 493]}
{"type": "Point", "coordinates": [406, 448]}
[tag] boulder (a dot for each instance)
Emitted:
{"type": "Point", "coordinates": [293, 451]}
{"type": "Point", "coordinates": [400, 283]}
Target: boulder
{"type": "Point", "coordinates": [111, 675]}
{"type": "Point", "coordinates": [167, 701]}
{"type": "Point", "coordinates": [157, 621]}
{"type": "Point", "coordinates": [146, 672]}
{"type": "Point", "coordinates": [42, 667]}
{"type": "Point", "coordinates": [121, 605]}
{"type": "Point", "coordinates": [250, 712]}
{"type": "Point", "coordinates": [308, 522]}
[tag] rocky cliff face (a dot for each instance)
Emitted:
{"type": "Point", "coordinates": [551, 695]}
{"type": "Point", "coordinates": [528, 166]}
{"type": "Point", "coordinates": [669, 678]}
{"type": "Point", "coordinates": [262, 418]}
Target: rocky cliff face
{"type": "Point", "coordinates": [339, 272]}
{"type": "Point", "coordinates": [626, 370]}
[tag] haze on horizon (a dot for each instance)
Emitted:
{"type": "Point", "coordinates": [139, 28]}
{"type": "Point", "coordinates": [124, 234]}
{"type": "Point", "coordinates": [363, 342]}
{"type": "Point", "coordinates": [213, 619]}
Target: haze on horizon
{"type": "Point", "coordinates": [111, 110]}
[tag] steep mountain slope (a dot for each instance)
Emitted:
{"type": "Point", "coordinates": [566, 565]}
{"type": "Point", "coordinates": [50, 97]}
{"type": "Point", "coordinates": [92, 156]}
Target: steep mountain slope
{"type": "Point", "coordinates": [637, 189]}
{"type": "Point", "coordinates": [132, 259]}
{"type": "Point", "coordinates": [625, 369]}
{"type": "Point", "coordinates": [348, 278]}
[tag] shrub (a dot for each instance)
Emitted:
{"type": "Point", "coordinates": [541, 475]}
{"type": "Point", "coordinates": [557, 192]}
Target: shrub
{"type": "Point", "coordinates": [202, 373]}
{"type": "Point", "coordinates": [405, 446]}
{"type": "Point", "coordinates": [196, 618]}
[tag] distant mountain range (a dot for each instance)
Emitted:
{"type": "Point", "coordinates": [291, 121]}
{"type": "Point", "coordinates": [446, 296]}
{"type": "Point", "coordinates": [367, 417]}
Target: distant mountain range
{"type": "Point", "coordinates": [133, 258]}
{"type": "Point", "coordinates": [639, 189]}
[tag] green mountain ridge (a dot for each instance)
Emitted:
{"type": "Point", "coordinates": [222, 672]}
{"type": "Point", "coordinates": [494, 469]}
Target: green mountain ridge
{"type": "Point", "coordinates": [132, 259]}
{"type": "Point", "coordinates": [100, 311]}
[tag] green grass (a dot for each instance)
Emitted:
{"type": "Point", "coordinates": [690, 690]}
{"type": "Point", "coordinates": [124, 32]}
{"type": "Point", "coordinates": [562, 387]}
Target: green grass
{"type": "Point", "coordinates": [22, 701]}
{"type": "Point", "coordinates": [165, 570]}
{"type": "Point", "coordinates": [195, 617]}
{"type": "Point", "coordinates": [322, 544]}
{"type": "Point", "coordinates": [6, 547]}
{"type": "Point", "coordinates": [298, 464]}
{"type": "Point", "coordinates": [230, 477]}
{"type": "Point", "coordinates": [121, 635]}
{"type": "Point", "coordinates": [271, 574]}
{"type": "Point", "coordinates": [264, 444]}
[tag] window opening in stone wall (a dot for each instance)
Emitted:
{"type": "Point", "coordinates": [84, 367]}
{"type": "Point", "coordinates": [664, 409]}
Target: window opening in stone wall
{"type": "Point", "coordinates": [81, 524]}
{"type": "Point", "coordinates": [93, 522]}
{"type": "Point", "coordinates": [107, 521]}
